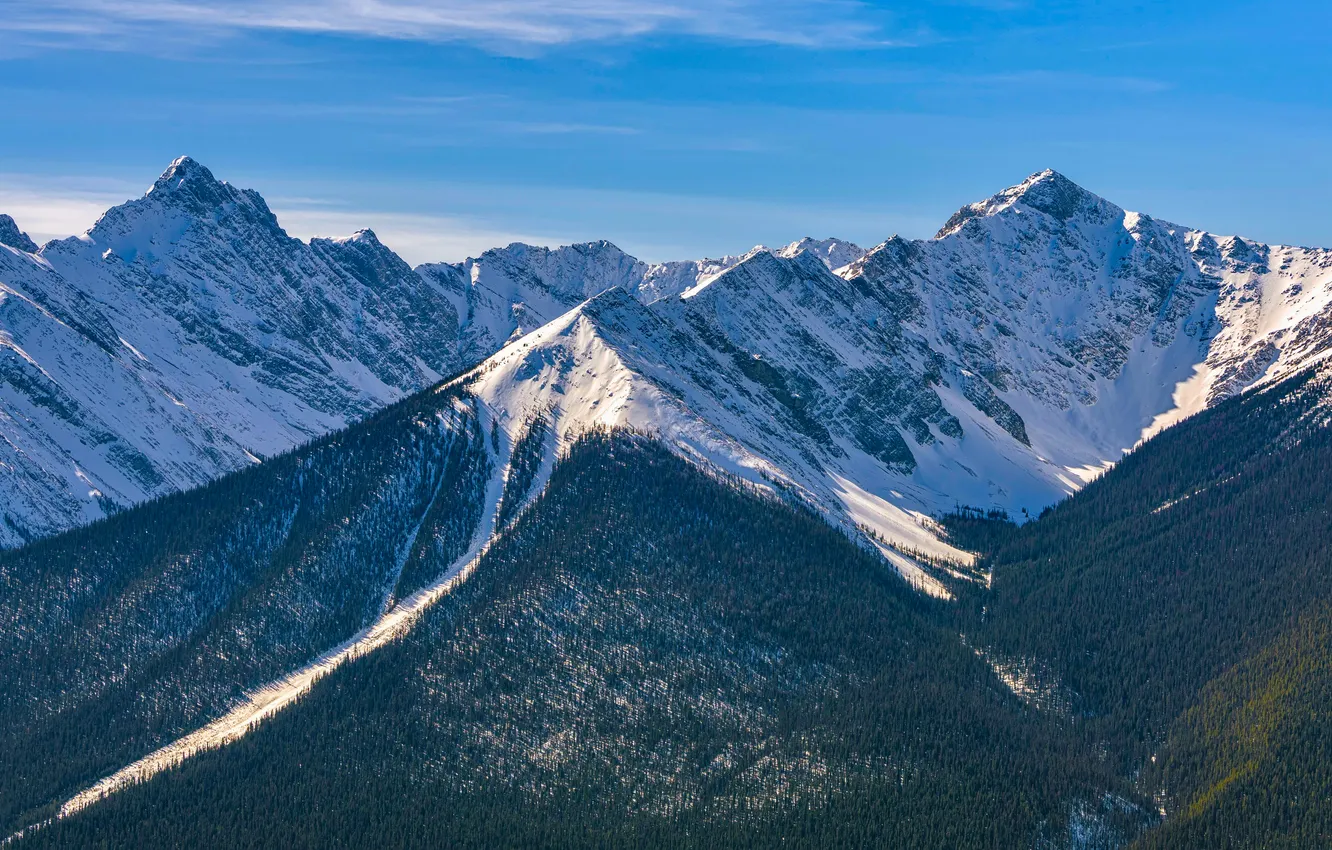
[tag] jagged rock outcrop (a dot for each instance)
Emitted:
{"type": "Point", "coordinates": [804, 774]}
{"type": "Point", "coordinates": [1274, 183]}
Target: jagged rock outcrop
{"type": "Point", "coordinates": [13, 237]}
{"type": "Point", "coordinates": [1002, 364]}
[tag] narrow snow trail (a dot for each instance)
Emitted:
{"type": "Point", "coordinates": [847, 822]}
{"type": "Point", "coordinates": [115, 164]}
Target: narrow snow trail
{"type": "Point", "coordinates": [274, 697]}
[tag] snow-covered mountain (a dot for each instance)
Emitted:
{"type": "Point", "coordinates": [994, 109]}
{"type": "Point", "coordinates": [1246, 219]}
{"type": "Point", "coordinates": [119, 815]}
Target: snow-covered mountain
{"type": "Point", "coordinates": [11, 236]}
{"type": "Point", "coordinates": [1004, 363]}
{"type": "Point", "coordinates": [507, 292]}
{"type": "Point", "coordinates": [834, 253]}
{"type": "Point", "coordinates": [186, 335]}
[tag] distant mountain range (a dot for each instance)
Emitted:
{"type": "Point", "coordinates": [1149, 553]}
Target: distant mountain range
{"type": "Point", "coordinates": [1002, 364]}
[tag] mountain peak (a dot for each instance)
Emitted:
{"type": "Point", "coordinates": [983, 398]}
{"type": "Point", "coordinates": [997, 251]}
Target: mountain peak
{"type": "Point", "coordinates": [183, 171]}
{"type": "Point", "coordinates": [187, 194]}
{"type": "Point", "coordinates": [364, 236]}
{"type": "Point", "coordinates": [363, 242]}
{"type": "Point", "coordinates": [1047, 191]}
{"type": "Point", "coordinates": [188, 183]}
{"type": "Point", "coordinates": [1054, 194]}
{"type": "Point", "coordinates": [13, 237]}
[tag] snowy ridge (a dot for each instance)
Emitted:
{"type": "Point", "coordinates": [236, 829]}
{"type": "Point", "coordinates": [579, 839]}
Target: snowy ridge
{"type": "Point", "coordinates": [1002, 364]}
{"type": "Point", "coordinates": [834, 253]}
{"type": "Point", "coordinates": [12, 237]}
{"type": "Point", "coordinates": [1272, 314]}
{"type": "Point", "coordinates": [615, 362]}
{"type": "Point", "coordinates": [507, 292]}
{"type": "Point", "coordinates": [186, 335]}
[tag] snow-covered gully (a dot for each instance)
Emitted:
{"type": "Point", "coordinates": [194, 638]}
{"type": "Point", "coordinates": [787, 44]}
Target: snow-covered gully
{"type": "Point", "coordinates": [272, 698]}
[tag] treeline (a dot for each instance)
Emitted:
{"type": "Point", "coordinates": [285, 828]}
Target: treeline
{"type": "Point", "coordinates": [653, 656]}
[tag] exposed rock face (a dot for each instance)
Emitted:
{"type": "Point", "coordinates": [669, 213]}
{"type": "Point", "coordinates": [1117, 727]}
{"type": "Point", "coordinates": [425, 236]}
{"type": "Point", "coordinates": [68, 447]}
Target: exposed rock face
{"type": "Point", "coordinates": [507, 292]}
{"type": "Point", "coordinates": [13, 237]}
{"type": "Point", "coordinates": [1004, 363]}
{"type": "Point", "coordinates": [186, 335]}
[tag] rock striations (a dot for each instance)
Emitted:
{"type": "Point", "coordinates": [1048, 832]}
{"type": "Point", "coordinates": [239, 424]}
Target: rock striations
{"type": "Point", "coordinates": [186, 335]}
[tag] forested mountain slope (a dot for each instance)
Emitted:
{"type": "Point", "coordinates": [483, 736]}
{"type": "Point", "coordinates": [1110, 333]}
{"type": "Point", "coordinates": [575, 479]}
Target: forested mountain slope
{"type": "Point", "coordinates": [1177, 611]}
{"type": "Point", "coordinates": [1250, 763]}
{"type": "Point", "coordinates": [656, 653]}
{"type": "Point", "coordinates": [652, 656]}
{"type": "Point", "coordinates": [124, 635]}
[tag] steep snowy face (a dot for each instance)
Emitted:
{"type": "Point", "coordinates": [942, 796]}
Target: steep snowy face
{"type": "Point", "coordinates": [214, 258]}
{"type": "Point", "coordinates": [665, 280]}
{"type": "Point", "coordinates": [11, 236]}
{"type": "Point", "coordinates": [1062, 317]}
{"type": "Point", "coordinates": [1272, 317]}
{"type": "Point", "coordinates": [1042, 333]}
{"type": "Point", "coordinates": [1102, 326]}
{"type": "Point", "coordinates": [507, 292]}
{"type": "Point", "coordinates": [781, 403]}
{"type": "Point", "coordinates": [186, 335]}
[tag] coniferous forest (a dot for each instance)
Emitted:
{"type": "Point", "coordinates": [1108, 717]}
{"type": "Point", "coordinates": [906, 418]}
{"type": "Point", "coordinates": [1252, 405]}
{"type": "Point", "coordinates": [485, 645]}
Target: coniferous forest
{"type": "Point", "coordinates": [652, 657]}
{"type": "Point", "coordinates": [1177, 608]}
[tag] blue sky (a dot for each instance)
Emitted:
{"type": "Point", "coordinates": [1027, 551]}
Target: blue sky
{"type": "Point", "coordinates": [675, 129]}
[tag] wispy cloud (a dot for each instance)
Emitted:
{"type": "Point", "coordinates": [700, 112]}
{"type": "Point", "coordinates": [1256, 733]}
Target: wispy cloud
{"type": "Point", "coordinates": [493, 23]}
